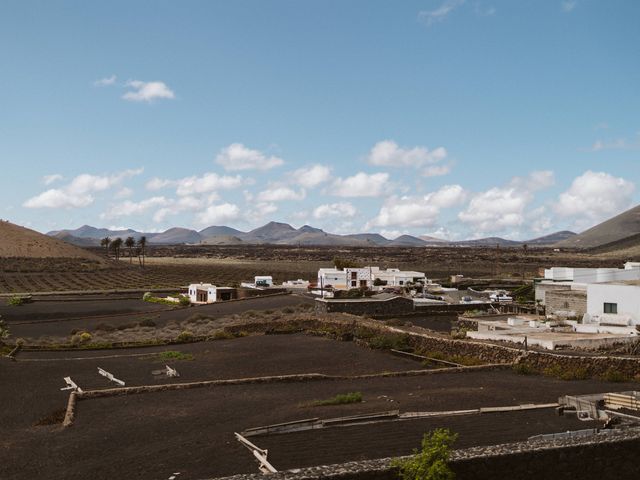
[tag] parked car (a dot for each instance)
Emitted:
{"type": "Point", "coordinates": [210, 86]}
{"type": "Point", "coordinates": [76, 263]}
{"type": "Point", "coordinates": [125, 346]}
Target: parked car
{"type": "Point", "coordinates": [501, 298]}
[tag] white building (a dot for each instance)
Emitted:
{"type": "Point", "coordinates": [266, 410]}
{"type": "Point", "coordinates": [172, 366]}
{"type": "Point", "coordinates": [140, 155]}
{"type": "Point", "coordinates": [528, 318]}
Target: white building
{"type": "Point", "coordinates": [362, 277]}
{"type": "Point", "coordinates": [209, 293]}
{"type": "Point", "coordinates": [202, 293]}
{"type": "Point", "coordinates": [613, 304]}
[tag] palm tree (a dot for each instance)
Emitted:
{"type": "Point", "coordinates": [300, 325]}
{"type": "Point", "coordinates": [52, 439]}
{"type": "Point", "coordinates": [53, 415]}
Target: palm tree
{"type": "Point", "coordinates": [142, 243]}
{"type": "Point", "coordinates": [105, 242]}
{"type": "Point", "coordinates": [130, 242]}
{"type": "Point", "coordinates": [116, 244]}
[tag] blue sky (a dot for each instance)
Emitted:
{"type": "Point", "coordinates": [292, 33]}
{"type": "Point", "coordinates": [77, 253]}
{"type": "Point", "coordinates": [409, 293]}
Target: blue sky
{"type": "Point", "coordinates": [444, 117]}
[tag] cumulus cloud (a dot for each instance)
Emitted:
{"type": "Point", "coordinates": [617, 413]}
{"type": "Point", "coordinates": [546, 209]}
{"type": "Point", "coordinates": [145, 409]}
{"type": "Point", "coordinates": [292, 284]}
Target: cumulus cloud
{"type": "Point", "coordinates": [105, 82]}
{"type": "Point", "coordinates": [341, 209]}
{"type": "Point", "coordinates": [49, 179]}
{"type": "Point", "coordinates": [79, 192]}
{"type": "Point", "coordinates": [238, 157]}
{"type": "Point", "coordinates": [422, 211]}
{"type": "Point", "coordinates": [207, 182]}
{"type": "Point", "coordinates": [128, 207]}
{"type": "Point", "coordinates": [388, 153]}
{"type": "Point", "coordinates": [279, 194]}
{"type": "Point", "coordinates": [568, 5]}
{"type": "Point", "coordinates": [595, 196]}
{"type": "Point", "coordinates": [436, 170]}
{"type": "Point", "coordinates": [217, 214]}
{"type": "Point", "coordinates": [505, 207]}
{"type": "Point", "coordinates": [147, 91]}
{"type": "Point", "coordinates": [361, 185]}
{"type": "Point", "coordinates": [430, 17]}
{"type": "Point", "coordinates": [312, 176]}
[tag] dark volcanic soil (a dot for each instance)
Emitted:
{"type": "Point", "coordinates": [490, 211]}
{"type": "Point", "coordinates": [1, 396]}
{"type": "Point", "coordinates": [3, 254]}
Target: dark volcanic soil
{"type": "Point", "coordinates": [152, 435]}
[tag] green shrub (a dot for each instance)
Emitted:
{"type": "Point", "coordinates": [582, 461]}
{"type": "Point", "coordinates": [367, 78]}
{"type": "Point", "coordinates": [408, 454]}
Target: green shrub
{"type": "Point", "coordinates": [184, 301]}
{"type": "Point", "coordinates": [432, 462]}
{"type": "Point", "coordinates": [523, 369]}
{"type": "Point", "coordinates": [340, 399]}
{"type": "Point", "coordinates": [4, 330]}
{"type": "Point", "coordinates": [222, 335]}
{"type": "Point", "coordinates": [175, 355]}
{"type": "Point", "coordinates": [185, 336]}
{"type": "Point", "coordinates": [567, 374]}
{"type": "Point", "coordinates": [147, 296]}
{"type": "Point", "coordinates": [18, 300]}
{"type": "Point", "coordinates": [613, 375]}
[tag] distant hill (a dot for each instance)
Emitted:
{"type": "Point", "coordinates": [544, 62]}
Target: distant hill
{"type": "Point", "coordinates": [487, 242]}
{"type": "Point", "coordinates": [16, 241]}
{"type": "Point", "coordinates": [407, 241]}
{"type": "Point", "coordinates": [77, 241]}
{"type": "Point", "coordinates": [278, 233]}
{"type": "Point", "coordinates": [617, 228]}
{"type": "Point", "coordinates": [215, 231]}
{"type": "Point", "coordinates": [176, 236]}
{"type": "Point", "coordinates": [222, 240]}
{"type": "Point", "coordinates": [370, 238]}
{"type": "Point", "coordinates": [551, 239]}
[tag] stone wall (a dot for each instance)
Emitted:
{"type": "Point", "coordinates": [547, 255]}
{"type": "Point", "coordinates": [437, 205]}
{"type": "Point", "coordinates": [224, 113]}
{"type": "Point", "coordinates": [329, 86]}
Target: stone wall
{"type": "Point", "coordinates": [597, 457]}
{"type": "Point", "coordinates": [566, 301]}
{"type": "Point", "coordinates": [371, 307]}
{"type": "Point", "coordinates": [543, 288]}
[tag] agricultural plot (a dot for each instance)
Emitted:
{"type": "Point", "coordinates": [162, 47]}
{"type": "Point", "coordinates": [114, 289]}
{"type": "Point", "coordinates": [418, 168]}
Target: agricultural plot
{"type": "Point", "coordinates": [191, 431]}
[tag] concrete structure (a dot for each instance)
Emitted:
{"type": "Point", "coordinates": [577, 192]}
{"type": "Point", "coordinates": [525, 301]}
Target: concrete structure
{"type": "Point", "coordinates": [547, 335]}
{"type": "Point", "coordinates": [631, 271]}
{"type": "Point", "coordinates": [209, 293]}
{"type": "Point", "coordinates": [365, 277]}
{"type": "Point", "coordinates": [614, 306]}
{"type": "Point", "coordinates": [565, 303]}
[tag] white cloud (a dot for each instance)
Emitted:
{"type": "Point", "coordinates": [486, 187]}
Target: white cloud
{"type": "Point", "coordinates": [310, 177]}
{"type": "Point", "coordinates": [361, 185]}
{"type": "Point", "coordinates": [617, 144]}
{"type": "Point", "coordinates": [568, 5]}
{"type": "Point", "coordinates": [147, 91]}
{"type": "Point", "coordinates": [259, 210]}
{"type": "Point", "coordinates": [159, 183]}
{"type": "Point", "coordinates": [341, 209]}
{"type": "Point", "coordinates": [411, 212]}
{"type": "Point", "coordinates": [388, 153]}
{"type": "Point", "coordinates": [279, 194]}
{"type": "Point", "coordinates": [430, 17]}
{"type": "Point", "coordinates": [49, 179]}
{"type": "Point", "coordinates": [217, 214]}
{"type": "Point", "coordinates": [436, 170]}
{"type": "Point", "coordinates": [124, 192]}
{"type": "Point", "coordinates": [128, 207]}
{"type": "Point", "coordinates": [78, 193]}
{"type": "Point", "coordinates": [238, 157]}
{"type": "Point", "coordinates": [207, 183]}
{"type": "Point", "coordinates": [595, 196]}
{"type": "Point", "coordinates": [500, 208]}
{"type": "Point", "coordinates": [105, 82]}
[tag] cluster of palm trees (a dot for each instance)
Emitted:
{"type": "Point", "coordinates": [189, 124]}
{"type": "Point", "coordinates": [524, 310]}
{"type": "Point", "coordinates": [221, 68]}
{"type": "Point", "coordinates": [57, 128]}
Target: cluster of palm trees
{"type": "Point", "coordinates": [130, 243]}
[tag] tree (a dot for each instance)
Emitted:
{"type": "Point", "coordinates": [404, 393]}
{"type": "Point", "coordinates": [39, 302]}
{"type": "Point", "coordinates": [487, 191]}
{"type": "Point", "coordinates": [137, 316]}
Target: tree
{"type": "Point", "coordinates": [142, 243]}
{"type": "Point", "coordinates": [105, 242]}
{"type": "Point", "coordinates": [130, 242]}
{"type": "Point", "coordinates": [432, 462]}
{"type": "Point", "coordinates": [116, 244]}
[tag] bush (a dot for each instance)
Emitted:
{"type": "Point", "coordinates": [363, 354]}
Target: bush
{"type": "Point", "coordinates": [567, 374]}
{"type": "Point", "coordinates": [432, 462]}
{"type": "Point", "coordinates": [147, 322]}
{"type": "Point", "coordinates": [175, 355]}
{"type": "Point", "coordinates": [222, 335]}
{"type": "Point", "coordinates": [185, 336]}
{"type": "Point", "coordinates": [18, 300]}
{"type": "Point", "coordinates": [185, 301]}
{"type": "Point", "coordinates": [341, 399]}
{"type": "Point", "coordinates": [523, 369]}
{"type": "Point", "coordinates": [81, 337]}
{"type": "Point", "coordinates": [613, 375]}
{"type": "Point", "coordinates": [4, 330]}
{"type": "Point", "coordinates": [147, 296]}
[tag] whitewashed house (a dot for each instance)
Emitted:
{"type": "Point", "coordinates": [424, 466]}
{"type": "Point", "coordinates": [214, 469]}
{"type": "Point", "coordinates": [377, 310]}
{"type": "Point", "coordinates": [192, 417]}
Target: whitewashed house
{"type": "Point", "coordinates": [365, 277]}
{"type": "Point", "coordinates": [613, 304]}
{"type": "Point", "coordinates": [202, 293]}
